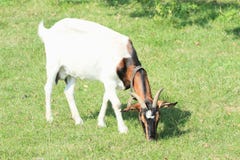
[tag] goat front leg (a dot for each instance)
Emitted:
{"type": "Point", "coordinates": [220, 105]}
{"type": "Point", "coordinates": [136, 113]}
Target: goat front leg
{"type": "Point", "coordinates": [69, 90]}
{"type": "Point", "coordinates": [101, 121]}
{"type": "Point", "coordinates": [122, 128]}
{"type": "Point", "coordinates": [110, 92]}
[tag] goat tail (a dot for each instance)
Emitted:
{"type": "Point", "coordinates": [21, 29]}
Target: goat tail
{"type": "Point", "coordinates": [42, 31]}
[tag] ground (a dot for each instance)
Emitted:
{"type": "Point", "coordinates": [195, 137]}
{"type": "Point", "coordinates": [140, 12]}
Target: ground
{"type": "Point", "coordinates": [191, 49]}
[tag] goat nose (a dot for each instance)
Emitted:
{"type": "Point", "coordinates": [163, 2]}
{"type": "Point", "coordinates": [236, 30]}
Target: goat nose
{"type": "Point", "coordinates": [153, 137]}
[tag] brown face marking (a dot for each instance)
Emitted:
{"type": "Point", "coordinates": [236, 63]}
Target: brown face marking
{"type": "Point", "coordinates": [144, 123]}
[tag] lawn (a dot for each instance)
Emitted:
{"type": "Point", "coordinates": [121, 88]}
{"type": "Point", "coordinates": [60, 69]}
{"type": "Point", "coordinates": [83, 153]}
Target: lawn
{"type": "Point", "coordinates": [192, 49]}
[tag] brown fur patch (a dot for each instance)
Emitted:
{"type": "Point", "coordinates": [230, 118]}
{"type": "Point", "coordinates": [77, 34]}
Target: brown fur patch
{"type": "Point", "coordinates": [136, 106]}
{"type": "Point", "coordinates": [141, 86]}
{"type": "Point", "coordinates": [124, 72]}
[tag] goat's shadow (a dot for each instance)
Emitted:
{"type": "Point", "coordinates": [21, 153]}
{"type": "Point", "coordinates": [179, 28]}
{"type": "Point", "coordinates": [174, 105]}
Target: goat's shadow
{"type": "Point", "coordinates": [172, 119]}
{"type": "Point", "coordinates": [234, 31]}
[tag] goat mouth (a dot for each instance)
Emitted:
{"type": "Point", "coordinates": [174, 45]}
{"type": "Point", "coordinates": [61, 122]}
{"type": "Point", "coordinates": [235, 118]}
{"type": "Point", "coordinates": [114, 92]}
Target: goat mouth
{"type": "Point", "coordinates": [151, 139]}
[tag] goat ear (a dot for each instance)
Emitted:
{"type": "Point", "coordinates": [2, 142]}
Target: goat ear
{"type": "Point", "coordinates": [164, 104]}
{"type": "Point", "coordinates": [136, 106]}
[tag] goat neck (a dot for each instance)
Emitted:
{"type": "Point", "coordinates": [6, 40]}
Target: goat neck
{"type": "Point", "coordinates": [140, 85]}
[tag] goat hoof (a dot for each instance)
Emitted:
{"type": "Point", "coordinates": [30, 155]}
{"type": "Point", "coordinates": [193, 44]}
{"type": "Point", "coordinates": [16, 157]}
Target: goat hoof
{"type": "Point", "coordinates": [49, 119]}
{"type": "Point", "coordinates": [123, 129]}
{"type": "Point", "coordinates": [101, 124]}
{"type": "Point", "coordinates": [79, 122]}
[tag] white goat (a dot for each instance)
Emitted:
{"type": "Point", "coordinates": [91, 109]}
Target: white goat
{"type": "Point", "coordinates": [82, 49]}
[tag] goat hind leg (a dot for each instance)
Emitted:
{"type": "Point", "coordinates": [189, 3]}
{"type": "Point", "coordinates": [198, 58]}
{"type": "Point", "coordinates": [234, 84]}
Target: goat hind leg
{"type": "Point", "coordinates": [101, 122]}
{"type": "Point", "coordinates": [48, 91]}
{"type": "Point", "coordinates": [69, 90]}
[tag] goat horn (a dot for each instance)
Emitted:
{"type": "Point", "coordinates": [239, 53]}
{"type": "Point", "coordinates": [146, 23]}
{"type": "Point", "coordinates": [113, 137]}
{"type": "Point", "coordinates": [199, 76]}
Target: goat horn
{"type": "Point", "coordinates": [140, 100]}
{"type": "Point", "coordinates": [155, 100]}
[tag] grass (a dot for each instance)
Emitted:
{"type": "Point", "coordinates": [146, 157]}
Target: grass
{"type": "Point", "coordinates": [196, 61]}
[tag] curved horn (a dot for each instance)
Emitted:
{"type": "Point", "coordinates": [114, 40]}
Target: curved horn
{"type": "Point", "coordinates": [140, 100]}
{"type": "Point", "coordinates": [155, 100]}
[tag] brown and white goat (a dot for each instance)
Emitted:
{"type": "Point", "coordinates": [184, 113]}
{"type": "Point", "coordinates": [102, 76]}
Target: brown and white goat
{"type": "Point", "coordinates": [82, 49]}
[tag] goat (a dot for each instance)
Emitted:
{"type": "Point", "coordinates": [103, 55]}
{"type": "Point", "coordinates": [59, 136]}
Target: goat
{"type": "Point", "coordinates": [83, 49]}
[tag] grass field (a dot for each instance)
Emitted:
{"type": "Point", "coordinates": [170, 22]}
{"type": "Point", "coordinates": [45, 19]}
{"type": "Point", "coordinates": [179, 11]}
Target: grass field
{"type": "Point", "coordinates": [193, 52]}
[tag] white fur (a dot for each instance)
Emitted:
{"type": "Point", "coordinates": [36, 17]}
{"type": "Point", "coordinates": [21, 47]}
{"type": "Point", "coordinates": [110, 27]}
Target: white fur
{"type": "Point", "coordinates": [82, 49]}
{"type": "Point", "coordinates": [149, 115]}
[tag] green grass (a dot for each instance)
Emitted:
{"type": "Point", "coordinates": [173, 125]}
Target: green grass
{"type": "Point", "coordinates": [196, 60]}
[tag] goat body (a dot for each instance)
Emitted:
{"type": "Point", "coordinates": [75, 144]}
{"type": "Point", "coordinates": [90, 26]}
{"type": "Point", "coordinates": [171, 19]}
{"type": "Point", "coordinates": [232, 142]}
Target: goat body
{"type": "Point", "coordinates": [82, 49]}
